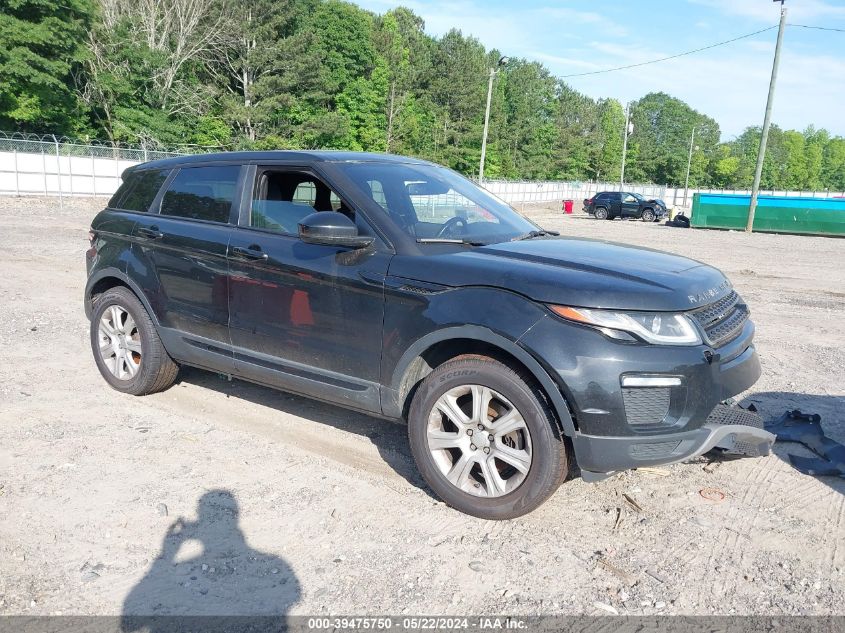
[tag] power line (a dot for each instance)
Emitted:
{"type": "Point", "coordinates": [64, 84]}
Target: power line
{"type": "Point", "coordinates": [818, 28]}
{"type": "Point", "coordinates": [663, 59]}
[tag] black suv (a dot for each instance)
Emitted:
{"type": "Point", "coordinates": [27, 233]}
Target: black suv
{"type": "Point", "coordinates": [397, 287]}
{"type": "Point", "coordinates": [608, 205]}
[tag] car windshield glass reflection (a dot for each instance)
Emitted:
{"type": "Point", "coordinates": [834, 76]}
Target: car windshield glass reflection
{"type": "Point", "coordinates": [434, 204]}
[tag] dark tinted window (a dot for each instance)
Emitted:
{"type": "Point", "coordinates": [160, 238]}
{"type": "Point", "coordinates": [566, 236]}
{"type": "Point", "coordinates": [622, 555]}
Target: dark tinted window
{"type": "Point", "coordinates": [202, 193]}
{"type": "Point", "coordinates": [138, 190]}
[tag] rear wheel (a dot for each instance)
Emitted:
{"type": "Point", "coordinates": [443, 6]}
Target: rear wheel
{"type": "Point", "coordinates": [648, 215]}
{"type": "Point", "coordinates": [485, 440]}
{"type": "Point", "coordinates": [601, 213]}
{"type": "Point", "coordinates": [126, 346]}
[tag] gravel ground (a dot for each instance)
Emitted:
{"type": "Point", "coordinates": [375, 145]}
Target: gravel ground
{"type": "Point", "coordinates": [224, 497]}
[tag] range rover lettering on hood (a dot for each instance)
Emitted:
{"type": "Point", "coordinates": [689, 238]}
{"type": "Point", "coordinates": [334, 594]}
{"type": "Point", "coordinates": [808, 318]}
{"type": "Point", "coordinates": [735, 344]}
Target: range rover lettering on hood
{"type": "Point", "coordinates": [709, 295]}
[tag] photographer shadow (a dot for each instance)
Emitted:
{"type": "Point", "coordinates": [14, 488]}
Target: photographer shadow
{"type": "Point", "coordinates": [250, 589]}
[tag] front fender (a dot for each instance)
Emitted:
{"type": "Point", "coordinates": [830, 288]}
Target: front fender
{"type": "Point", "coordinates": [414, 322]}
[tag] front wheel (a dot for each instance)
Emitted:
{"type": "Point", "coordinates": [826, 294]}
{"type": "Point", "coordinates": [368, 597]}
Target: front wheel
{"type": "Point", "coordinates": [485, 440]}
{"type": "Point", "coordinates": [648, 215]}
{"type": "Point", "coordinates": [601, 213]}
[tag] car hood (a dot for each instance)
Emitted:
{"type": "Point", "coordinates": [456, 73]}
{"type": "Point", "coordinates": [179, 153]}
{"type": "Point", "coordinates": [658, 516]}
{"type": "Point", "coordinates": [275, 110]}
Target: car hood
{"type": "Point", "coordinates": [577, 272]}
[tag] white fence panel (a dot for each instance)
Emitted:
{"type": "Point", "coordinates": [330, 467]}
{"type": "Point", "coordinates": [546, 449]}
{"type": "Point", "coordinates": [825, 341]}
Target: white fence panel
{"type": "Point", "coordinates": [27, 174]}
{"type": "Point", "coordinates": [38, 168]}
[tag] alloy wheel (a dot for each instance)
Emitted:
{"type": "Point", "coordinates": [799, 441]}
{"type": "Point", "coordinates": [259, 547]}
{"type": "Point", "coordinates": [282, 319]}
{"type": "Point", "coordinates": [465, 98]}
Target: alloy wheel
{"type": "Point", "coordinates": [120, 342]}
{"type": "Point", "coordinates": [479, 441]}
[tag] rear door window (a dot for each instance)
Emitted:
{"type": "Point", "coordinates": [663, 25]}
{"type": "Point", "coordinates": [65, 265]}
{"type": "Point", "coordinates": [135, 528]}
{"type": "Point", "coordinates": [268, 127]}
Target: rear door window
{"type": "Point", "coordinates": [138, 190]}
{"type": "Point", "coordinates": [202, 193]}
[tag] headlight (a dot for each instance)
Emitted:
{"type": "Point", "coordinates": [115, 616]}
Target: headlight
{"type": "Point", "coordinates": [660, 328]}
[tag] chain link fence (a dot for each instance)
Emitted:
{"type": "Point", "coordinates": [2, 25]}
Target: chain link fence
{"type": "Point", "coordinates": [48, 165]}
{"type": "Point", "coordinates": [65, 146]}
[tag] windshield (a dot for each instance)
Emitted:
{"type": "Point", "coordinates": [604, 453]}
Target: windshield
{"type": "Point", "coordinates": [638, 196]}
{"type": "Point", "coordinates": [433, 203]}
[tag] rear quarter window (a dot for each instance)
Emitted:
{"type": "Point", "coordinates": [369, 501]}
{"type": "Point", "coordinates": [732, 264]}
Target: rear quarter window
{"type": "Point", "coordinates": [202, 193]}
{"type": "Point", "coordinates": [138, 190]}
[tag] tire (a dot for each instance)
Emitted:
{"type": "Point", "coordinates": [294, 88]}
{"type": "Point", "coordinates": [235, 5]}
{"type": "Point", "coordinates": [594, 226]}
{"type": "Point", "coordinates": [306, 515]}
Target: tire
{"type": "Point", "coordinates": [487, 482]}
{"type": "Point", "coordinates": [648, 215]}
{"type": "Point", "coordinates": [132, 358]}
{"type": "Point", "coordinates": [601, 213]}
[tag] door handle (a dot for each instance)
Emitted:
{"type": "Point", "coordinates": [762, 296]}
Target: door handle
{"type": "Point", "coordinates": [152, 232]}
{"type": "Point", "coordinates": [249, 253]}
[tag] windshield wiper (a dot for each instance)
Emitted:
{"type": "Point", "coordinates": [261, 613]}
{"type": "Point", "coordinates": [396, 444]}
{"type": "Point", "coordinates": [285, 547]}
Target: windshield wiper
{"type": "Point", "coordinates": [532, 234]}
{"type": "Point", "coordinates": [446, 240]}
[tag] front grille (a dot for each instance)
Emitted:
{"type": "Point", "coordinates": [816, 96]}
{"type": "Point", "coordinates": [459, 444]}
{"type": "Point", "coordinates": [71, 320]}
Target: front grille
{"type": "Point", "coordinates": [723, 320]}
{"type": "Point", "coordinates": [646, 405]}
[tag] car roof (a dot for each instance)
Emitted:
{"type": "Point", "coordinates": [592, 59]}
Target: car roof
{"type": "Point", "coordinates": [294, 156]}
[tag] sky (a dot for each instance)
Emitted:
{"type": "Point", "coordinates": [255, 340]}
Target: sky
{"type": "Point", "coordinates": [728, 83]}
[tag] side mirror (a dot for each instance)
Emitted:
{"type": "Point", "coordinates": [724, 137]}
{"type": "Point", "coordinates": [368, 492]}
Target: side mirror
{"type": "Point", "coordinates": [331, 228]}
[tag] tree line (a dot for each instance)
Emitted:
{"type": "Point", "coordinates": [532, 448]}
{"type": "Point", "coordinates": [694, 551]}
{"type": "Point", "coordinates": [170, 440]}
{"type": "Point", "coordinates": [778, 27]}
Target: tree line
{"type": "Point", "coordinates": [293, 74]}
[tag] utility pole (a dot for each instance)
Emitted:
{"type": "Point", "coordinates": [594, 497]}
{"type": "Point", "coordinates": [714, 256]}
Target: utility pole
{"type": "Point", "coordinates": [689, 163]}
{"type": "Point", "coordinates": [502, 61]}
{"type": "Point", "coordinates": [629, 127]}
{"type": "Point", "coordinates": [764, 137]}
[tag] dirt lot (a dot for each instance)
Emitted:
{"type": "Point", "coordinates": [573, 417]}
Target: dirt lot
{"type": "Point", "coordinates": [289, 505]}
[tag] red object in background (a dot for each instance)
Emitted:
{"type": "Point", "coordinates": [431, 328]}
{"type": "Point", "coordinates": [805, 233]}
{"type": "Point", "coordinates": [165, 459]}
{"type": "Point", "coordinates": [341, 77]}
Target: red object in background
{"type": "Point", "coordinates": [567, 206]}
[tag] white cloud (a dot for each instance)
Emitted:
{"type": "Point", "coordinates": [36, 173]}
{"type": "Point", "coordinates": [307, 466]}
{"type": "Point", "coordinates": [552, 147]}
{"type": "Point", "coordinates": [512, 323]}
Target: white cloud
{"type": "Point", "coordinates": [570, 62]}
{"type": "Point", "coordinates": [770, 11]}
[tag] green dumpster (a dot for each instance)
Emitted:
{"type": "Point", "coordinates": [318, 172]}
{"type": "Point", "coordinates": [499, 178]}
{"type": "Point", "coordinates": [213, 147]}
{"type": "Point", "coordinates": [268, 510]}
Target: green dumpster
{"type": "Point", "coordinates": [775, 214]}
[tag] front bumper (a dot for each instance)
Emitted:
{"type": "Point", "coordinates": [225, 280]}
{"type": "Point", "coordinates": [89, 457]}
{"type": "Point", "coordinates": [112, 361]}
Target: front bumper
{"type": "Point", "coordinates": [600, 457]}
{"type": "Point", "coordinates": [615, 431]}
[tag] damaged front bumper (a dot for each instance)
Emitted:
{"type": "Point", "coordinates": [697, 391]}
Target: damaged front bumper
{"type": "Point", "coordinates": [730, 429]}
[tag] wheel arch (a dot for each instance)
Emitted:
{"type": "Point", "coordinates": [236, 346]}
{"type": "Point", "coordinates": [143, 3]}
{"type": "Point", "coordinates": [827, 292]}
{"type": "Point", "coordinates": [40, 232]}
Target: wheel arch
{"type": "Point", "coordinates": [109, 278]}
{"type": "Point", "coordinates": [434, 349]}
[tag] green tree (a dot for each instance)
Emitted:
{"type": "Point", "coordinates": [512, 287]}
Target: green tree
{"type": "Point", "coordinates": [42, 43]}
{"type": "Point", "coordinates": [608, 161]}
{"type": "Point", "coordinates": [723, 167]}
{"type": "Point", "coordinates": [458, 91]}
{"type": "Point", "coordinates": [528, 130]}
{"type": "Point", "coordinates": [815, 142]}
{"type": "Point", "coordinates": [662, 128]}
{"type": "Point", "coordinates": [401, 42]}
{"type": "Point", "coordinates": [833, 164]}
{"type": "Point", "coordinates": [143, 78]}
{"type": "Point", "coordinates": [265, 62]}
{"type": "Point", "coordinates": [576, 127]}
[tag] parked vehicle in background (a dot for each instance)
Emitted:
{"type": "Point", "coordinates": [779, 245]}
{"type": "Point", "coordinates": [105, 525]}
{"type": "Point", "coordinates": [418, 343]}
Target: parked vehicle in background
{"type": "Point", "coordinates": [399, 288]}
{"type": "Point", "coordinates": [608, 205]}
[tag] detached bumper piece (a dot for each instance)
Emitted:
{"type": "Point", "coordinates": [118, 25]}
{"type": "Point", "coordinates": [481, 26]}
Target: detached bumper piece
{"type": "Point", "coordinates": [806, 429]}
